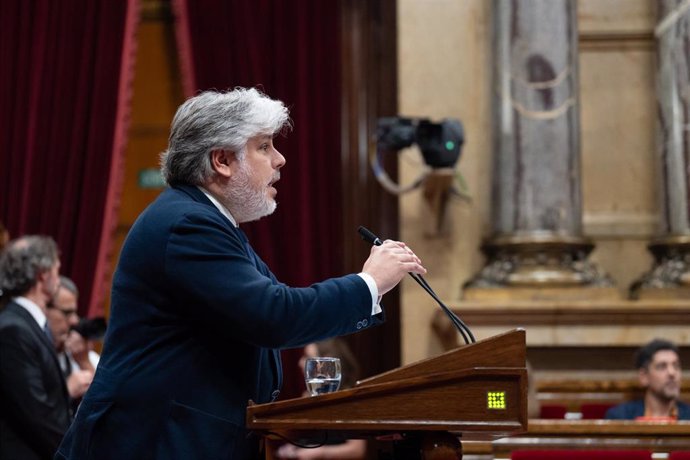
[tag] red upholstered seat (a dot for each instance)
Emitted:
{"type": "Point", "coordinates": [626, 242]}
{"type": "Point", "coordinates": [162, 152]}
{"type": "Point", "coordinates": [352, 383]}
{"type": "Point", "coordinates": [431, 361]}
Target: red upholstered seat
{"type": "Point", "coordinates": [552, 411]}
{"type": "Point", "coordinates": [679, 455]}
{"type": "Point", "coordinates": [581, 455]}
{"type": "Point", "coordinates": [592, 411]}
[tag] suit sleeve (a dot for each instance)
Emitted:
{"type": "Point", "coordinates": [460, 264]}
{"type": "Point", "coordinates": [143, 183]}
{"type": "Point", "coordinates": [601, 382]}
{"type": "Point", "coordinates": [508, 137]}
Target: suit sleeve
{"type": "Point", "coordinates": [625, 411]}
{"type": "Point", "coordinates": [613, 413]}
{"type": "Point", "coordinates": [208, 264]}
{"type": "Point", "coordinates": [27, 399]}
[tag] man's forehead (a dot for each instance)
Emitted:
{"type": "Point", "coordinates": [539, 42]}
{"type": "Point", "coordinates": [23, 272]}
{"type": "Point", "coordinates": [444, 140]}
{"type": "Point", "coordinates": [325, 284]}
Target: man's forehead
{"type": "Point", "coordinates": [65, 295]}
{"type": "Point", "coordinates": [65, 303]}
{"type": "Point", "coordinates": [665, 356]}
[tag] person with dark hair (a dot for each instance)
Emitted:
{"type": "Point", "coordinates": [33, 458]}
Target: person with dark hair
{"type": "Point", "coordinates": [34, 407]}
{"type": "Point", "coordinates": [197, 318]}
{"type": "Point", "coordinates": [659, 372]}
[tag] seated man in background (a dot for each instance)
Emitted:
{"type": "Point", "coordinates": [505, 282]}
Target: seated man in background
{"type": "Point", "coordinates": [77, 361]}
{"type": "Point", "coordinates": [658, 364]}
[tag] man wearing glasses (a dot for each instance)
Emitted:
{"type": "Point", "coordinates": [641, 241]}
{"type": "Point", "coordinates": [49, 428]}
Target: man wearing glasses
{"type": "Point", "coordinates": [77, 361]}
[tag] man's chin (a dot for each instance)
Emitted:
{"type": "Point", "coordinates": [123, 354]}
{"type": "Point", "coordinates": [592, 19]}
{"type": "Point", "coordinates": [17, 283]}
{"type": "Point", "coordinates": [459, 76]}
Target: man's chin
{"type": "Point", "coordinates": [671, 394]}
{"type": "Point", "coordinates": [263, 213]}
{"type": "Point", "coordinates": [270, 208]}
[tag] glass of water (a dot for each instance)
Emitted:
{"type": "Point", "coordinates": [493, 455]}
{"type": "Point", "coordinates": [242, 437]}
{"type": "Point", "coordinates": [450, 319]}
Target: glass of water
{"type": "Point", "coordinates": [322, 375]}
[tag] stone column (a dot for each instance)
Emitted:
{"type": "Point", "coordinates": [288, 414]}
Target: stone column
{"type": "Point", "coordinates": [670, 274]}
{"type": "Point", "coordinates": [536, 238]}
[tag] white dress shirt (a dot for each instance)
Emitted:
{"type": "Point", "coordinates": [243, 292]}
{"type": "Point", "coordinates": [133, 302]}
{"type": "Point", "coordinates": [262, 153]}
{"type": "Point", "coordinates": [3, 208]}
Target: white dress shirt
{"type": "Point", "coordinates": [33, 309]}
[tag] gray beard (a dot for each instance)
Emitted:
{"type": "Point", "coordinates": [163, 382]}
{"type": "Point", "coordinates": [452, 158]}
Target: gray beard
{"type": "Point", "coordinates": [247, 204]}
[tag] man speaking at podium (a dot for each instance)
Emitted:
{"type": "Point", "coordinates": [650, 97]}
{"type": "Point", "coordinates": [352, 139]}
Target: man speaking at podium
{"type": "Point", "coordinates": [197, 318]}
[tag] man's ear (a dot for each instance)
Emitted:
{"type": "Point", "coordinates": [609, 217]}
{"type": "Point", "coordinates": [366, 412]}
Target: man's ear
{"type": "Point", "coordinates": [42, 276]}
{"type": "Point", "coordinates": [223, 162]}
{"type": "Point", "coordinates": [643, 375]}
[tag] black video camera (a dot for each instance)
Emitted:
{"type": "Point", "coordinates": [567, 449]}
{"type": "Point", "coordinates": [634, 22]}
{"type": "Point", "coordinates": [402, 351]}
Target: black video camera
{"type": "Point", "coordinates": [91, 328]}
{"type": "Point", "coordinates": [440, 143]}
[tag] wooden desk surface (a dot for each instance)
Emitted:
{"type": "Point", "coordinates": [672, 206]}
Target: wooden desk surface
{"type": "Point", "coordinates": [605, 428]}
{"type": "Point", "coordinates": [589, 434]}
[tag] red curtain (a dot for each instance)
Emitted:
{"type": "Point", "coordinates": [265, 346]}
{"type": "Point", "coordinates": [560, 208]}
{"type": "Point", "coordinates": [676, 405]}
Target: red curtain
{"type": "Point", "coordinates": [291, 50]}
{"type": "Point", "coordinates": [64, 92]}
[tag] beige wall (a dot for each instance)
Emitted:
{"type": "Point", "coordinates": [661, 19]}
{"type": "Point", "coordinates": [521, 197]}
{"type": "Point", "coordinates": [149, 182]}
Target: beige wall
{"type": "Point", "coordinates": [444, 59]}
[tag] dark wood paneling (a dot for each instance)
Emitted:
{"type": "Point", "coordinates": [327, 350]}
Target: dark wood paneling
{"type": "Point", "coordinates": [369, 91]}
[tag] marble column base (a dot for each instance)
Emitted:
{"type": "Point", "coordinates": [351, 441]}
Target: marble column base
{"type": "Point", "coordinates": [669, 277]}
{"type": "Point", "coordinates": [537, 262]}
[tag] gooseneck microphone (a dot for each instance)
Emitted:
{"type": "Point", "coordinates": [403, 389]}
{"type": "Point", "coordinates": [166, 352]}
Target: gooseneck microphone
{"type": "Point", "coordinates": [368, 236]}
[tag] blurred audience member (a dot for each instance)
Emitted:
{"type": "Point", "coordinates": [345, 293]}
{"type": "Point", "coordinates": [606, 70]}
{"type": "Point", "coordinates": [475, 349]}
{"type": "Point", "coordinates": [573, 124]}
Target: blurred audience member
{"type": "Point", "coordinates": [533, 405]}
{"type": "Point", "coordinates": [4, 236]}
{"type": "Point", "coordinates": [4, 239]}
{"type": "Point", "coordinates": [346, 449]}
{"type": "Point", "coordinates": [34, 405]}
{"type": "Point", "coordinates": [77, 360]}
{"type": "Point", "coordinates": [659, 372]}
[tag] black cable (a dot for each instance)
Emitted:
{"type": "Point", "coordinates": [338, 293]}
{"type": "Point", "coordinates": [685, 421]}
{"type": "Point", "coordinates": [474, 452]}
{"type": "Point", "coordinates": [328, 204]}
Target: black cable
{"type": "Point", "coordinates": [368, 236]}
{"type": "Point", "coordinates": [455, 319]}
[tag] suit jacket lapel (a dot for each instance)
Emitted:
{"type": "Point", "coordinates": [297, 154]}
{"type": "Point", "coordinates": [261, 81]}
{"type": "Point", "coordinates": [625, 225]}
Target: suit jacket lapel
{"type": "Point", "coordinates": [49, 347]}
{"type": "Point", "coordinates": [278, 369]}
{"type": "Point", "coordinates": [250, 251]}
{"type": "Point", "coordinates": [33, 325]}
{"type": "Point", "coordinates": [195, 193]}
{"type": "Point", "coordinates": [276, 364]}
{"type": "Point", "coordinates": [198, 195]}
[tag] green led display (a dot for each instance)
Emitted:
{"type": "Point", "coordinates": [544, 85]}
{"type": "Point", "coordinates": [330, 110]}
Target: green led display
{"type": "Point", "coordinates": [496, 399]}
{"type": "Point", "coordinates": [450, 145]}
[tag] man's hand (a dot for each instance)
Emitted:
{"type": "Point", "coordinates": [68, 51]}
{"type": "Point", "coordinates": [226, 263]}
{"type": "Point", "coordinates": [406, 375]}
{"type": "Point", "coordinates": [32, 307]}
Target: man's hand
{"type": "Point", "coordinates": [78, 382]}
{"type": "Point", "coordinates": [77, 346]}
{"type": "Point", "coordinates": [390, 262]}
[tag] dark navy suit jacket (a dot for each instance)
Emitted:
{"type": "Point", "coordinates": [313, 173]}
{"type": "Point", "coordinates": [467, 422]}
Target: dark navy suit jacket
{"type": "Point", "coordinates": [197, 320]}
{"type": "Point", "coordinates": [633, 409]}
{"type": "Point", "coordinates": [34, 405]}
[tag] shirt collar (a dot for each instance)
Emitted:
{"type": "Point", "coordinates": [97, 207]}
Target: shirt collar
{"type": "Point", "coordinates": [223, 210]}
{"type": "Point", "coordinates": [33, 309]}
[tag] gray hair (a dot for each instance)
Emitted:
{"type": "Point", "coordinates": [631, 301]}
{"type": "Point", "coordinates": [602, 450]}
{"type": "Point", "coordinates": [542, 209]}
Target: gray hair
{"type": "Point", "coordinates": [69, 285]}
{"type": "Point", "coordinates": [217, 120]}
{"type": "Point", "coordinates": [23, 260]}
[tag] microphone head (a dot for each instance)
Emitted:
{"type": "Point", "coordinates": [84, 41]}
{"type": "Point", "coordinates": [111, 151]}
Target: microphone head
{"type": "Point", "coordinates": [368, 236]}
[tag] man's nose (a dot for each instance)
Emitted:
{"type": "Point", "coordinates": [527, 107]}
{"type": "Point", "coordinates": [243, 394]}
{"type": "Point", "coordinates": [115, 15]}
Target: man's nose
{"type": "Point", "coordinates": [279, 161]}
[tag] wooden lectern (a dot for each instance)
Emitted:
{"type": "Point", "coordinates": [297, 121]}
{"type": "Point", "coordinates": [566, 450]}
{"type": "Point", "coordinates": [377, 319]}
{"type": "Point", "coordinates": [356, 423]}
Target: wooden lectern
{"type": "Point", "coordinates": [476, 391]}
